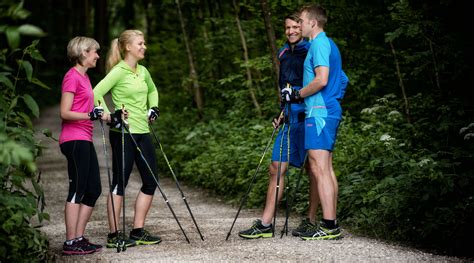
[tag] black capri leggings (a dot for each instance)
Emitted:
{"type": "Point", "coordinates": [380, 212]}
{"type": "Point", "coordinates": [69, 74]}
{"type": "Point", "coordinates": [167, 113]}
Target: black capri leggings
{"type": "Point", "coordinates": [133, 155]}
{"type": "Point", "coordinates": [83, 172]}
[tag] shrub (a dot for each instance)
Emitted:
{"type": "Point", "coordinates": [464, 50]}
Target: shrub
{"type": "Point", "coordinates": [21, 196]}
{"type": "Point", "coordinates": [395, 184]}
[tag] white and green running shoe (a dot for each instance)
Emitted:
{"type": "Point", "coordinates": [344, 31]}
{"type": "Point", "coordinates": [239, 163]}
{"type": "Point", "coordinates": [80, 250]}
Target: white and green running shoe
{"type": "Point", "coordinates": [322, 233]}
{"type": "Point", "coordinates": [303, 227]}
{"type": "Point", "coordinates": [256, 231]}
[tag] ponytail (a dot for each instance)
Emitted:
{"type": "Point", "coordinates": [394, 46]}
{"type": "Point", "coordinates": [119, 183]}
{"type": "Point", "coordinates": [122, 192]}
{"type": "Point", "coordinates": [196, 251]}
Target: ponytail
{"type": "Point", "coordinates": [114, 56]}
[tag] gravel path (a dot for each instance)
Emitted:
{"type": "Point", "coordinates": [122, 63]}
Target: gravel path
{"type": "Point", "coordinates": [213, 216]}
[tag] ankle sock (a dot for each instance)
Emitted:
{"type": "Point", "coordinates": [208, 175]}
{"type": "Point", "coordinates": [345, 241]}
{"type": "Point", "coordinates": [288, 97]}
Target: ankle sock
{"type": "Point", "coordinates": [331, 224]}
{"type": "Point", "coordinates": [136, 231]}
{"type": "Point", "coordinates": [69, 242]}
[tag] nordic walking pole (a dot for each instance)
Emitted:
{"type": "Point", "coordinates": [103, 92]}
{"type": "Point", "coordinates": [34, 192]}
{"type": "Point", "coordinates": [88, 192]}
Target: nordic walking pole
{"type": "Point", "coordinates": [244, 198]}
{"type": "Point", "coordinates": [292, 197]}
{"type": "Point", "coordinates": [176, 180]}
{"type": "Point", "coordinates": [277, 187]}
{"type": "Point", "coordinates": [119, 244]}
{"type": "Point", "coordinates": [288, 167]}
{"type": "Point", "coordinates": [124, 123]}
{"type": "Point", "coordinates": [157, 183]}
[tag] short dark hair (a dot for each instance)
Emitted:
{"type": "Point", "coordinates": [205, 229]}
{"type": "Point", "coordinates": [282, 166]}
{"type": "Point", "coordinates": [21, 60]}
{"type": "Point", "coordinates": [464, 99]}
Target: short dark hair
{"type": "Point", "coordinates": [316, 12]}
{"type": "Point", "coordinates": [295, 17]}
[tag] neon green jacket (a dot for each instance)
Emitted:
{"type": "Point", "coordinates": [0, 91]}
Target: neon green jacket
{"type": "Point", "coordinates": [136, 91]}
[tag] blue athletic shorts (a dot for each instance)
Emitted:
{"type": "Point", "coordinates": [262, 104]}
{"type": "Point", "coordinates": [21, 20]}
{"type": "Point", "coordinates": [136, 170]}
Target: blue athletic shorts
{"type": "Point", "coordinates": [297, 151]}
{"type": "Point", "coordinates": [320, 133]}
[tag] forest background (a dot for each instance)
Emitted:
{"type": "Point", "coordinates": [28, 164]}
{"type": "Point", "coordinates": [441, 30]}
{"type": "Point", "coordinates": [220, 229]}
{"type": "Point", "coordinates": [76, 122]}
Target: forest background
{"type": "Point", "coordinates": [404, 154]}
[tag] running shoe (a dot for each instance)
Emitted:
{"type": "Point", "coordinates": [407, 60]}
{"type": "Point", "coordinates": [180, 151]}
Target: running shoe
{"type": "Point", "coordinates": [322, 233]}
{"type": "Point", "coordinates": [303, 227]}
{"type": "Point", "coordinates": [144, 238]}
{"type": "Point", "coordinates": [257, 230]}
{"type": "Point", "coordinates": [77, 248]}
{"type": "Point", "coordinates": [85, 241]}
{"type": "Point", "coordinates": [113, 240]}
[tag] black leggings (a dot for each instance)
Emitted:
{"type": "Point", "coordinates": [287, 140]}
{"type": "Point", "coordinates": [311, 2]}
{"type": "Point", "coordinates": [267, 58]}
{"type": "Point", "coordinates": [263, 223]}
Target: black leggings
{"type": "Point", "coordinates": [133, 155]}
{"type": "Point", "coordinates": [83, 172]}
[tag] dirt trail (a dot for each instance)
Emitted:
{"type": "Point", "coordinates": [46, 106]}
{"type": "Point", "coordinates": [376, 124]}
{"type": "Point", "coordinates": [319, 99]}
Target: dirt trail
{"type": "Point", "coordinates": [213, 217]}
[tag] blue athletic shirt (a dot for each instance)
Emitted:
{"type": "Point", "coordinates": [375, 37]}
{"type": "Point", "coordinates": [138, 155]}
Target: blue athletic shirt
{"type": "Point", "coordinates": [324, 103]}
{"type": "Point", "coordinates": [291, 71]}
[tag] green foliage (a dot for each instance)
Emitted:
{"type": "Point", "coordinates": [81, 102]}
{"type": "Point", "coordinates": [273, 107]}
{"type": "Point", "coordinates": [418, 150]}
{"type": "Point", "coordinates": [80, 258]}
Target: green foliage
{"type": "Point", "coordinates": [394, 185]}
{"type": "Point", "coordinates": [14, 31]}
{"type": "Point", "coordinates": [21, 196]}
{"type": "Point", "coordinates": [221, 154]}
{"type": "Point", "coordinates": [223, 158]}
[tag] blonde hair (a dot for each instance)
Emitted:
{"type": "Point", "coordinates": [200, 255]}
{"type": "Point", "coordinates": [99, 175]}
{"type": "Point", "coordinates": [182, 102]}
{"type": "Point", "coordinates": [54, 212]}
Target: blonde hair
{"type": "Point", "coordinates": [117, 47]}
{"type": "Point", "coordinates": [79, 44]}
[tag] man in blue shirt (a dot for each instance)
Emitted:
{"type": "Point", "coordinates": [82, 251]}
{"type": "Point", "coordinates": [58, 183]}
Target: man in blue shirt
{"type": "Point", "coordinates": [291, 57]}
{"type": "Point", "coordinates": [324, 85]}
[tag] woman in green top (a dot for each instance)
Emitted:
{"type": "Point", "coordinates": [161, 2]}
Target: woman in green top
{"type": "Point", "coordinates": [131, 86]}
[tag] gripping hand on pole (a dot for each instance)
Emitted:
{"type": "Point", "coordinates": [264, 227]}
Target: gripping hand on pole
{"type": "Point", "coordinates": [277, 121]}
{"type": "Point", "coordinates": [288, 94]}
{"type": "Point", "coordinates": [153, 114]}
{"type": "Point", "coordinates": [117, 118]}
{"type": "Point", "coordinates": [96, 113]}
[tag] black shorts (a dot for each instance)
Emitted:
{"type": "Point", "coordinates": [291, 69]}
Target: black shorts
{"type": "Point", "coordinates": [83, 172]}
{"type": "Point", "coordinates": [132, 155]}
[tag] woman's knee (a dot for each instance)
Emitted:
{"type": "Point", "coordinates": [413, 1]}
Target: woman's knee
{"type": "Point", "coordinates": [91, 197]}
{"type": "Point", "coordinates": [148, 189]}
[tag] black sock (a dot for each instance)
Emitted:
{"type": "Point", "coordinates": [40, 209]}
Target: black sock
{"type": "Point", "coordinates": [112, 235]}
{"type": "Point", "coordinates": [136, 231]}
{"type": "Point", "coordinates": [331, 224]}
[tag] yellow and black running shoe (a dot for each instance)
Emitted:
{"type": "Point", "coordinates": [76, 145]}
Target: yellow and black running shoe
{"type": "Point", "coordinates": [303, 227]}
{"type": "Point", "coordinates": [144, 237]}
{"type": "Point", "coordinates": [114, 240]}
{"type": "Point", "coordinates": [257, 230]}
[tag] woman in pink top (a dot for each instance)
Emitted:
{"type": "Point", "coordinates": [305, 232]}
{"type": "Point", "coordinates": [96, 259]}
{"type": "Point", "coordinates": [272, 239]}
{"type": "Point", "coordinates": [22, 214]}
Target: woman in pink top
{"type": "Point", "coordinates": [77, 114]}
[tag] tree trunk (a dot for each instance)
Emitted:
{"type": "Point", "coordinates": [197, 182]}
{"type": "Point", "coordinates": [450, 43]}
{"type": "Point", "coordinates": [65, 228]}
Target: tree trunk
{"type": "Point", "coordinates": [101, 23]}
{"type": "Point", "coordinates": [400, 82]}
{"type": "Point", "coordinates": [201, 18]}
{"type": "Point", "coordinates": [246, 60]}
{"type": "Point", "coordinates": [129, 14]}
{"type": "Point", "coordinates": [435, 64]}
{"type": "Point", "coordinates": [198, 94]}
{"type": "Point", "coordinates": [78, 18]}
{"type": "Point", "coordinates": [267, 17]}
{"type": "Point", "coordinates": [205, 35]}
